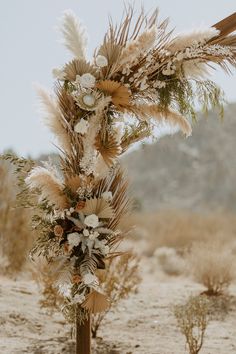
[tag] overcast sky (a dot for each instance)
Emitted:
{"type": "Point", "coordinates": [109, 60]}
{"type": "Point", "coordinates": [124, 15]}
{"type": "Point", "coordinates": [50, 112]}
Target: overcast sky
{"type": "Point", "coordinates": [30, 50]}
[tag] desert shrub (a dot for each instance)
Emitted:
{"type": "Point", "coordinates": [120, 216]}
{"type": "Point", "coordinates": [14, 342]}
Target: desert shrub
{"type": "Point", "coordinates": [15, 235]}
{"type": "Point", "coordinates": [169, 260]}
{"type": "Point", "coordinates": [192, 320]}
{"type": "Point", "coordinates": [212, 264]}
{"type": "Point", "coordinates": [179, 229]}
{"type": "Point", "coordinates": [118, 281]}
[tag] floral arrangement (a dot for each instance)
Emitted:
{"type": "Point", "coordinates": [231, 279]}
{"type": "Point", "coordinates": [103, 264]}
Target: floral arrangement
{"type": "Point", "coordinates": [141, 75]}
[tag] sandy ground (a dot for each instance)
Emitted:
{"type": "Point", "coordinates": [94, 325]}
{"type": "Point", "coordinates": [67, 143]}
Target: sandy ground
{"type": "Point", "coordinates": [141, 324]}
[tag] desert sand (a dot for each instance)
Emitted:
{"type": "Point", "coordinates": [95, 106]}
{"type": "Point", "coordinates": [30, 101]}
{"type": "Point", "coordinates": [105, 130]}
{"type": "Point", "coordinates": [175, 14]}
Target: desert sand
{"type": "Point", "coordinates": [143, 323]}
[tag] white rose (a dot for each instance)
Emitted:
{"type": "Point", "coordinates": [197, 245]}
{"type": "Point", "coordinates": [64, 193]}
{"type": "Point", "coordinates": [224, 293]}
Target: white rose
{"type": "Point", "coordinates": [73, 239]}
{"type": "Point", "coordinates": [101, 61]}
{"type": "Point", "coordinates": [86, 80]}
{"type": "Point", "coordinates": [81, 127]}
{"type": "Point", "coordinates": [89, 279]}
{"type": "Point", "coordinates": [107, 196]}
{"type": "Point", "coordinates": [91, 220]}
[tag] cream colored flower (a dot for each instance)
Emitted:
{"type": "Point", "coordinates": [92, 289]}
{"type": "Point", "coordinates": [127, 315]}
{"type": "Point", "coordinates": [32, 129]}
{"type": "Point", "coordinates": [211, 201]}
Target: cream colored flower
{"type": "Point", "coordinates": [101, 61]}
{"type": "Point", "coordinates": [86, 232]}
{"type": "Point", "coordinates": [81, 127]}
{"type": "Point", "coordinates": [107, 196]}
{"type": "Point", "coordinates": [89, 279]}
{"type": "Point", "coordinates": [91, 221]}
{"type": "Point", "coordinates": [86, 80]}
{"type": "Point", "coordinates": [73, 239]}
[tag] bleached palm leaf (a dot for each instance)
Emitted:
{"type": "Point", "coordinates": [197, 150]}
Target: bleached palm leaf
{"type": "Point", "coordinates": [98, 206]}
{"type": "Point", "coordinates": [95, 302]}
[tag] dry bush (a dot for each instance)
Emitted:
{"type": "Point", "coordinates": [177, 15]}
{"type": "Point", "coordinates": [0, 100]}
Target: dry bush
{"type": "Point", "coordinates": [192, 320]}
{"type": "Point", "coordinates": [118, 281]}
{"type": "Point", "coordinates": [15, 234]}
{"type": "Point", "coordinates": [212, 264]}
{"type": "Point", "coordinates": [169, 260]}
{"type": "Point", "coordinates": [179, 229]}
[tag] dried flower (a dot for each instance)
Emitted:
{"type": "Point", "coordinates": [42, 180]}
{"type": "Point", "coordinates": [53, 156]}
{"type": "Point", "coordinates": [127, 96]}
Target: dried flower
{"type": "Point", "coordinates": [73, 239]}
{"type": "Point", "coordinates": [107, 196]}
{"type": "Point", "coordinates": [91, 221]}
{"type": "Point", "coordinates": [90, 279]}
{"type": "Point", "coordinates": [76, 279]}
{"type": "Point", "coordinates": [81, 126]}
{"type": "Point", "coordinates": [86, 80]}
{"type": "Point", "coordinates": [101, 61]}
{"type": "Point", "coordinates": [80, 205]}
{"type": "Point", "coordinates": [58, 230]}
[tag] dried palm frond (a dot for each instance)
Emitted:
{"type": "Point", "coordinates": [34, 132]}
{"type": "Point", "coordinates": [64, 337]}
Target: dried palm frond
{"type": "Point", "coordinates": [54, 119]}
{"type": "Point", "coordinates": [146, 112]}
{"type": "Point", "coordinates": [75, 38]}
{"type": "Point", "coordinates": [99, 207]}
{"type": "Point", "coordinates": [95, 302]}
{"type": "Point", "coordinates": [117, 184]}
{"type": "Point", "coordinates": [108, 148]}
{"type": "Point", "coordinates": [51, 188]}
{"type": "Point", "coordinates": [78, 67]}
{"type": "Point", "coordinates": [67, 105]}
{"type": "Point", "coordinates": [120, 95]}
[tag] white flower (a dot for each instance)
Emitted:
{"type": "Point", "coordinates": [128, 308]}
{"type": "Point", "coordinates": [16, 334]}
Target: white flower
{"type": "Point", "coordinates": [86, 232]}
{"type": "Point", "coordinates": [101, 61]}
{"type": "Point", "coordinates": [107, 196]}
{"type": "Point", "coordinates": [78, 298]}
{"type": "Point", "coordinates": [65, 289]}
{"type": "Point", "coordinates": [93, 235]}
{"type": "Point", "coordinates": [73, 239]}
{"type": "Point", "coordinates": [91, 220]}
{"type": "Point", "coordinates": [89, 279]}
{"type": "Point", "coordinates": [81, 127]}
{"type": "Point", "coordinates": [86, 80]}
{"type": "Point", "coordinates": [58, 74]}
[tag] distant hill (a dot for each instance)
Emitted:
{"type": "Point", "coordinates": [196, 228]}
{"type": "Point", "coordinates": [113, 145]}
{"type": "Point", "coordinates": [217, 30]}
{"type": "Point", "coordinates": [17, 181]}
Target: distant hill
{"type": "Point", "coordinates": [194, 173]}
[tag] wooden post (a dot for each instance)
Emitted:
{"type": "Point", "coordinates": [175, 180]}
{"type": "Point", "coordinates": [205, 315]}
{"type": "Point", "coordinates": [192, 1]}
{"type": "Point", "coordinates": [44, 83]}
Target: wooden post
{"type": "Point", "coordinates": [83, 336]}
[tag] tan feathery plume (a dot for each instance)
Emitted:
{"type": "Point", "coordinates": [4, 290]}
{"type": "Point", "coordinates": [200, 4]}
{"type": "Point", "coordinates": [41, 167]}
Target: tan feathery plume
{"type": "Point", "coordinates": [75, 38]}
{"type": "Point", "coordinates": [146, 112]}
{"type": "Point", "coordinates": [53, 118]}
{"type": "Point", "coordinates": [139, 46]}
{"type": "Point", "coordinates": [50, 186]}
{"type": "Point", "coordinates": [95, 302]}
{"type": "Point", "coordinates": [99, 207]}
{"type": "Point", "coordinates": [120, 95]}
{"type": "Point", "coordinates": [73, 182]}
{"type": "Point", "coordinates": [108, 148]}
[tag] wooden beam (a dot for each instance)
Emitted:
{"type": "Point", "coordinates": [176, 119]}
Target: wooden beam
{"type": "Point", "coordinates": [227, 25]}
{"type": "Point", "coordinates": [83, 337]}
